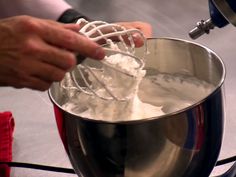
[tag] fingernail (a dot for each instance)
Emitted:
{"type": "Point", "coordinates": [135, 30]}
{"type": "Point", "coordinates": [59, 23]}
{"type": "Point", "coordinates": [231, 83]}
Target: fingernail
{"type": "Point", "coordinates": [136, 36]}
{"type": "Point", "coordinates": [99, 54]}
{"type": "Point", "coordinates": [138, 40]}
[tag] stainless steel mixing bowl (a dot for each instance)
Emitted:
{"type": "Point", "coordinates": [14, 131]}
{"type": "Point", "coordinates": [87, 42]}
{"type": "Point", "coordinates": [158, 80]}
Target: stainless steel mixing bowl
{"type": "Point", "coordinates": [185, 143]}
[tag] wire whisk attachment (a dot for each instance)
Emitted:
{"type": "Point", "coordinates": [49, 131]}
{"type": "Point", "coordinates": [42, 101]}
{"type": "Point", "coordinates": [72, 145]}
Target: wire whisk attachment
{"type": "Point", "coordinates": [115, 77]}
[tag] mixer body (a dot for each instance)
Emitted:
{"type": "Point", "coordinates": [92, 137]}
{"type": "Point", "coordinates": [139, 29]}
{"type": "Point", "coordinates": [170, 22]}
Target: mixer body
{"type": "Point", "coordinates": [185, 143]}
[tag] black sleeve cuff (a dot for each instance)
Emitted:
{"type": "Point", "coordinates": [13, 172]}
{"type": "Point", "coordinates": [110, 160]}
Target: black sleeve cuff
{"type": "Point", "coordinates": [70, 16]}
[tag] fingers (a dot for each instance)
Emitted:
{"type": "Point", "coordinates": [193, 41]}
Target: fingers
{"type": "Point", "coordinates": [37, 84]}
{"type": "Point", "coordinates": [145, 28]}
{"type": "Point", "coordinates": [45, 72]}
{"type": "Point", "coordinates": [72, 26]}
{"type": "Point", "coordinates": [36, 69]}
{"type": "Point", "coordinates": [45, 64]}
{"type": "Point", "coordinates": [34, 52]}
{"type": "Point", "coordinates": [129, 32]}
{"type": "Point", "coordinates": [30, 74]}
{"type": "Point", "coordinates": [29, 82]}
{"type": "Point", "coordinates": [66, 38]}
{"type": "Point", "coordinates": [138, 40]}
{"type": "Point", "coordinates": [43, 52]}
{"type": "Point", "coordinates": [63, 36]}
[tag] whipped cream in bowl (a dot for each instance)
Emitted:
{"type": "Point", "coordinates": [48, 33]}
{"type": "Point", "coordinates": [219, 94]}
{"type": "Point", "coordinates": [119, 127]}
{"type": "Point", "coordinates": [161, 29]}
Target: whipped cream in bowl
{"type": "Point", "coordinates": [144, 96]}
{"type": "Point", "coordinates": [124, 84]}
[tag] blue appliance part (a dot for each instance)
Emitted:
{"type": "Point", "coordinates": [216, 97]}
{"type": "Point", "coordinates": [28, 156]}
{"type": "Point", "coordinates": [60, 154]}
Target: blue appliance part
{"type": "Point", "coordinates": [222, 12]}
{"type": "Point", "coordinates": [217, 17]}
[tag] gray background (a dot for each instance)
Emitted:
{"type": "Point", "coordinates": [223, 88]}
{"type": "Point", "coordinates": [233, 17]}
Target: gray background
{"type": "Point", "coordinates": [36, 139]}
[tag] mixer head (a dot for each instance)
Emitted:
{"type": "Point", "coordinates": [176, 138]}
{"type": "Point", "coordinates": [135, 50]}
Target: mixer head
{"type": "Point", "coordinates": [105, 79]}
{"type": "Point", "coordinates": [222, 12]}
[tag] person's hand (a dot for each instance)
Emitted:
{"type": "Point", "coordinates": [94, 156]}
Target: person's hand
{"type": "Point", "coordinates": [145, 28]}
{"type": "Point", "coordinates": [34, 52]}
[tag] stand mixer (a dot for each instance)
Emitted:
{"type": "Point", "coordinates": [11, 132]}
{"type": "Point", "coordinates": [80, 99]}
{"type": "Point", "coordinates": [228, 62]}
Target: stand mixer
{"type": "Point", "coordinates": [184, 144]}
{"type": "Point", "coordinates": [222, 13]}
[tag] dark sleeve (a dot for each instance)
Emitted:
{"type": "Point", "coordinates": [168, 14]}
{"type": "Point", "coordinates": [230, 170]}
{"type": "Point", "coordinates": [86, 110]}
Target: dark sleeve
{"type": "Point", "coordinates": [70, 16]}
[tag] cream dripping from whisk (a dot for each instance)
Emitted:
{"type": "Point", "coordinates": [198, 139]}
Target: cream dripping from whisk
{"type": "Point", "coordinates": [123, 86]}
{"type": "Point", "coordinates": [110, 92]}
